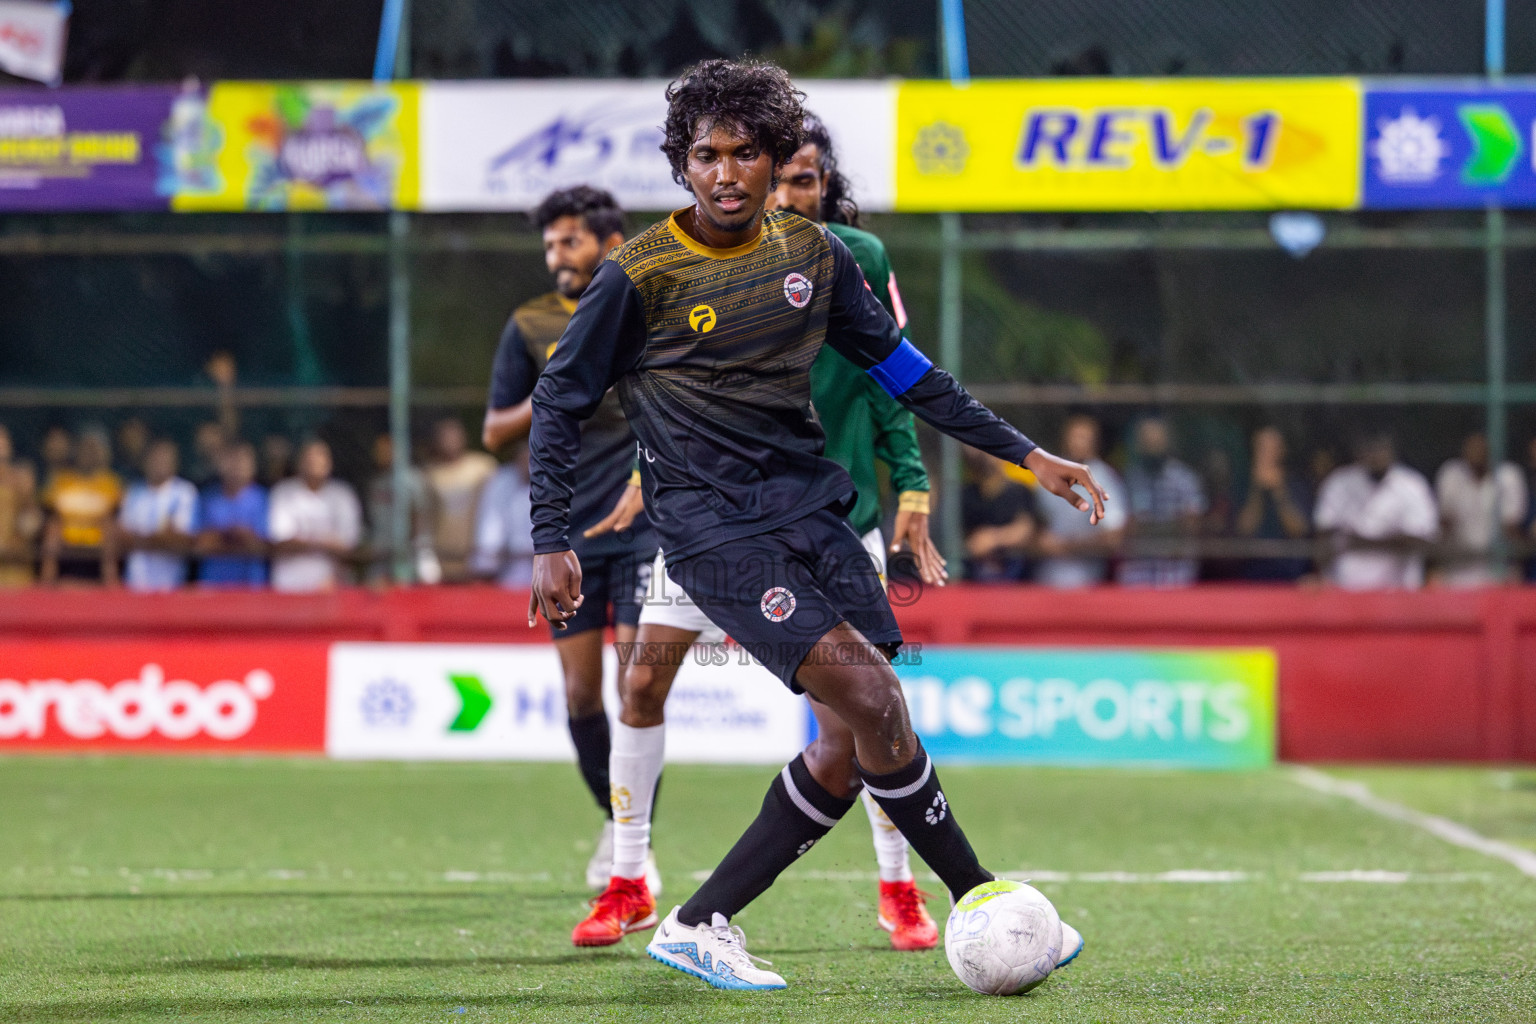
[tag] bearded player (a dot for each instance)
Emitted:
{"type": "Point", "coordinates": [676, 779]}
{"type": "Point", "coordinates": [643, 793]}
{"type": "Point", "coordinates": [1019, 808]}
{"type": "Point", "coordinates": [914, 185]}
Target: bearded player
{"type": "Point", "coordinates": [580, 226]}
{"type": "Point", "coordinates": [862, 424]}
{"type": "Point", "coordinates": [708, 324]}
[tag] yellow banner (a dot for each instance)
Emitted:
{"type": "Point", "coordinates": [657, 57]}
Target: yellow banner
{"type": "Point", "coordinates": [1128, 144]}
{"type": "Point", "coordinates": [302, 146]}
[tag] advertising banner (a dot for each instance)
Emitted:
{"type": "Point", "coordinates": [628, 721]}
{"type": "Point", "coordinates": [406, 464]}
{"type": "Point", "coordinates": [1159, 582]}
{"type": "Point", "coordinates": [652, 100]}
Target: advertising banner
{"type": "Point", "coordinates": [1450, 147]}
{"type": "Point", "coordinates": [506, 145]}
{"type": "Point", "coordinates": [1128, 144]}
{"type": "Point", "coordinates": [304, 146]}
{"type": "Point", "coordinates": [32, 35]}
{"type": "Point", "coordinates": [85, 149]}
{"type": "Point", "coordinates": [163, 696]}
{"type": "Point", "coordinates": [1207, 708]}
{"type": "Point", "coordinates": [507, 702]}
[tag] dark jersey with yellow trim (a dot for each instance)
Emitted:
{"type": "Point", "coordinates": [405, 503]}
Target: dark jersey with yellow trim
{"type": "Point", "coordinates": [710, 352]}
{"type": "Point", "coordinates": [607, 444]}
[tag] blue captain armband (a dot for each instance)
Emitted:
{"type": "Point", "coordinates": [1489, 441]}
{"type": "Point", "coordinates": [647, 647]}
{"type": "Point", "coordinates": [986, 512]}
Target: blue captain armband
{"type": "Point", "coordinates": [901, 369]}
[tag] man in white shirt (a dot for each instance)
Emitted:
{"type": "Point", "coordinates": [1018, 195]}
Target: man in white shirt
{"type": "Point", "coordinates": [1381, 516]}
{"type": "Point", "coordinates": [156, 522]}
{"type": "Point", "coordinates": [1470, 499]}
{"type": "Point", "coordinates": [315, 522]}
{"type": "Point", "coordinates": [1075, 554]}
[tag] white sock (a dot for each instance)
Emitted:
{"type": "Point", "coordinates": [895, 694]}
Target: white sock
{"type": "Point", "coordinates": [634, 766]}
{"type": "Point", "coordinates": [890, 845]}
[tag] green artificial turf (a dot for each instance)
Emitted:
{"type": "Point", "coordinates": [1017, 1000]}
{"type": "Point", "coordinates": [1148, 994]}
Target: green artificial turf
{"type": "Point", "coordinates": [262, 890]}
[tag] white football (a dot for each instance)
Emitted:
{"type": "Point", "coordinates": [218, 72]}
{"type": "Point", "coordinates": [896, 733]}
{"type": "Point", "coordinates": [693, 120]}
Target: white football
{"type": "Point", "coordinates": [1003, 938]}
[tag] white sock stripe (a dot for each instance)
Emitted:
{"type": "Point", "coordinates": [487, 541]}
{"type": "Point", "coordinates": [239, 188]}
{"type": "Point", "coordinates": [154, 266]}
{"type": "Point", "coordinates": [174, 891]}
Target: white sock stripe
{"type": "Point", "coordinates": [806, 807]}
{"type": "Point", "coordinates": [904, 791]}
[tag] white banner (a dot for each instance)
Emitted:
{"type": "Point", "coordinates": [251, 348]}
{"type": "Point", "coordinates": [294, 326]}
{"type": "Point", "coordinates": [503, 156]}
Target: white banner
{"type": "Point", "coordinates": [506, 145]}
{"type": "Point", "coordinates": [32, 39]}
{"type": "Point", "coordinates": [507, 702]}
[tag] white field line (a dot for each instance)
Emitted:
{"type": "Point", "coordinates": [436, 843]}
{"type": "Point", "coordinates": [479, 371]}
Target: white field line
{"type": "Point", "coordinates": [1186, 876]}
{"type": "Point", "coordinates": [1444, 828]}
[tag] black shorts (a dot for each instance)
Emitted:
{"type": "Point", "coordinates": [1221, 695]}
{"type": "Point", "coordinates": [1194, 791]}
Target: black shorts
{"type": "Point", "coordinates": [777, 594]}
{"type": "Point", "coordinates": [613, 588]}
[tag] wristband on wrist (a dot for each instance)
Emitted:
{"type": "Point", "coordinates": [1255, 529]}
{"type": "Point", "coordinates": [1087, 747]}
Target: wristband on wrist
{"type": "Point", "coordinates": [913, 501]}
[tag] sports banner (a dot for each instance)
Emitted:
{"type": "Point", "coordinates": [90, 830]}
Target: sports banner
{"type": "Point", "coordinates": [86, 148]}
{"type": "Point", "coordinates": [506, 145]}
{"type": "Point", "coordinates": [507, 702]}
{"type": "Point", "coordinates": [1449, 147]}
{"type": "Point", "coordinates": [304, 146]}
{"type": "Point", "coordinates": [1207, 708]}
{"type": "Point", "coordinates": [163, 696]}
{"type": "Point", "coordinates": [1128, 144]}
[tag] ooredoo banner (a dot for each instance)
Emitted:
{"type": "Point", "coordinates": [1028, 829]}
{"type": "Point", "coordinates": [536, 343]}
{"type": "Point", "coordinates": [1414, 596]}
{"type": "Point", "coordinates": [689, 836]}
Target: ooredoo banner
{"type": "Point", "coordinates": [506, 145]}
{"type": "Point", "coordinates": [171, 696]}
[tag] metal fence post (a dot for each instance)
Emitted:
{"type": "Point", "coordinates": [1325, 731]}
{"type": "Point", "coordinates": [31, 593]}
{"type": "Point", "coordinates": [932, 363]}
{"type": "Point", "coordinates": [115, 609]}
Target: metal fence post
{"type": "Point", "coordinates": [393, 60]}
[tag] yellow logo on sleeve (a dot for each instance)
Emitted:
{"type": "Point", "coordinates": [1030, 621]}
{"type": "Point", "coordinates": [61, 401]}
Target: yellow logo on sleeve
{"type": "Point", "coordinates": [701, 319]}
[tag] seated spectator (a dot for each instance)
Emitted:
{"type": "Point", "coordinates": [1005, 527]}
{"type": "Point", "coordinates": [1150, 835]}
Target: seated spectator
{"type": "Point", "coordinates": [276, 460]}
{"type": "Point", "coordinates": [381, 512]}
{"type": "Point", "coordinates": [1076, 554]}
{"type": "Point", "coordinates": [232, 523]}
{"type": "Point", "coordinates": [1166, 504]}
{"type": "Point", "coordinates": [504, 527]}
{"type": "Point", "coordinates": [81, 502]}
{"type": "Point", "coordinates": [315, 523]}
{"type": "Point", "coordinates": [998, 516]}
{"type": "Point", "coordinates": [1470, 497]}
{"type": "Point", "coordinates": [20, 517]}
{"type": "Point", "coordinates": [456, 476]}
{"type": "Point", "coordinates": [156, 522]}
{"type": "Point", "coordinates": [1275, 509]}
{"type": "Point", "coordinates": [1380, 517]}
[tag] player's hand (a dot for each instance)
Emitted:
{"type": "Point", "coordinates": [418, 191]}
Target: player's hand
{"type": "Point", "coordinates": [912, 529]}
{"type": "Point", "coordinates": [630, 504]}
{"type": "Point", "coordinates": [1059, 476]}
{"type": "Point", "coordinates": [556, 589]}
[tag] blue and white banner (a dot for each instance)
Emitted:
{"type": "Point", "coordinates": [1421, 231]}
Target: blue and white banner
{"type": "Point", "coordinates": [1447, 147]}
{"type": "Point", "coordinates": [32, 35]}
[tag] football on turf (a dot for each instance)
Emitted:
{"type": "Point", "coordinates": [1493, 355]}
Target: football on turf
{"type": "Point", "coordinates": [1003, 938]}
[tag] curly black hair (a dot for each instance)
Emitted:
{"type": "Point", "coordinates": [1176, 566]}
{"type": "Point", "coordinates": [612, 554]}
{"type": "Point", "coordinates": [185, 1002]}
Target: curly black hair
{"type": "Point", "coordinates": [598, 210]}
{"type": "Point", "coordinates": [752, 97]}
{"type": "Point", "coordinates": [837, 205]}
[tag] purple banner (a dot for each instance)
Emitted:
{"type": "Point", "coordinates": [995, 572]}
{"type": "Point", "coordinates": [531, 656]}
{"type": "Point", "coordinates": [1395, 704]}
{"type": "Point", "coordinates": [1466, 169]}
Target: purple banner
{"type": "Point", "coordinates": [86, 149]}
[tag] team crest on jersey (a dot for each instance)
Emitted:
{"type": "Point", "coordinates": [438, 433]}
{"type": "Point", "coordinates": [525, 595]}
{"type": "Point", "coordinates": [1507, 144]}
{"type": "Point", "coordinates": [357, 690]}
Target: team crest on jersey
{"type": "Point", "coordinates": [797, 289]}
{"type": "Point", "coordinates": [702, 319]}
{"type": "Point", "coordinates": [777, 604]}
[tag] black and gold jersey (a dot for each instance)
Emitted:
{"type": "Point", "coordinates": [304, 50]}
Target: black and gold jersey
{"type": "Point", "coordinates": [607, 445]}
{"type": "Point", "coordinates": [710, 352]}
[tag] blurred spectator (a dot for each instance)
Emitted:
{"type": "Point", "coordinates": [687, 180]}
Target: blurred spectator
{"type": "Point", "coordinates": [1470, 498]}
{"type": "Point", "coordinates": [1076, 554]}
{"type": "Point", "coordinates": [456, 476]}
{"type": "Point", "coordinates": [1166, 504]}
{"type": "Point", "coordinates": [1381, 517]}
{"type": "Point", "coordinates": [132, 443]}
{"type": "Point", "coordinates": [20, 517]}
{"type": "Point", "coordinates": [315, 522]}
{"type": "Point", "coordinates": [276, 460]}
{"type": "Point", "coordinates": [232, 523]}
{"type": "Point", "coordinates": [381, 510]}
{"type": "Point", "coordinates": [1275, 509]}
{"type": "Point", "coordinates": [81, 502]}
{"type": "Point", "coordinates": [58, 453]}
{"type": "Point", "coordinates": [156, 522]}
{"type": "Point", "coordinates": [208, 441]}
{"type": "Point", "coordinates": [504, 527]}
{"type": "Point", "coordinates": [998, 515]}
{"type": "Point", "coordinates": [221, 369]}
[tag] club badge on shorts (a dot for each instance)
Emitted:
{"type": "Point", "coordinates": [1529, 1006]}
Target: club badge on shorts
{"type": "Point", "coordinates": [797, 289]}
{"type": "Point", "coordinates": [777, 604]}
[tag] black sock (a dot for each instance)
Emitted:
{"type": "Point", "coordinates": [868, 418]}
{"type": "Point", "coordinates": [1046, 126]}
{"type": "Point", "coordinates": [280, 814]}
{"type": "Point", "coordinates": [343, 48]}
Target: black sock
{"type": "Point", "coordinates": [593, 742]}
{"type": "Point", "coordinates": [912, 799]}
{"type": "Point", "coordinates": [796, 812]}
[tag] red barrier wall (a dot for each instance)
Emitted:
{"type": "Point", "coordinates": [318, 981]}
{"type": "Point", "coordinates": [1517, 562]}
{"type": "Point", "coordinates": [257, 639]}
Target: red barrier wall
{"type": "Point", "coordinates": [1438, 675]}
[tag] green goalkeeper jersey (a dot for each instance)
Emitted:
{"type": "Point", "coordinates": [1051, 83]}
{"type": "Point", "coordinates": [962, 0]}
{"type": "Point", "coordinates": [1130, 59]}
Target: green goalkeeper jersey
{"type": "Point", "coordinates": [861, 421]}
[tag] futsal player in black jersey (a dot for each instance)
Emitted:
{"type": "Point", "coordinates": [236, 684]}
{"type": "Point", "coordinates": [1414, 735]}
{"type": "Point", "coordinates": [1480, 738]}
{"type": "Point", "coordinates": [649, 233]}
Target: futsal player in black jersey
{"type": "Point", "coordinates": [707, 325]}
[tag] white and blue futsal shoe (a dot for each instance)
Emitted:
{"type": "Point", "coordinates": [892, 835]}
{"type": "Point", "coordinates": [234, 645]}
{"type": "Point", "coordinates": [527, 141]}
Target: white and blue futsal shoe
{"type": "Point", "coordinates": [1071, 945]}
{"type": "Point", "coordinates": [715, 953]}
